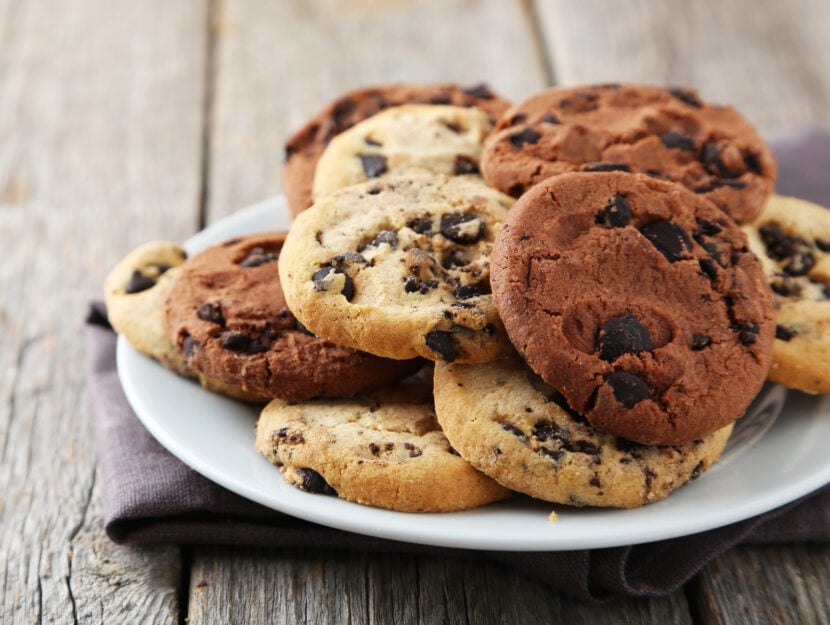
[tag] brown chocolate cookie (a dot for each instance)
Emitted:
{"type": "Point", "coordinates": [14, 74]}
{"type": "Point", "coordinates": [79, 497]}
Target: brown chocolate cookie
{"type": "Point", "coordinates": [305, 146]}
{"type": "Point", "coordinates": [226, 311]}
{"type": "Point", "coordinates": [636, 299]}
{"type": "Point", "coordinates": [667, 133]}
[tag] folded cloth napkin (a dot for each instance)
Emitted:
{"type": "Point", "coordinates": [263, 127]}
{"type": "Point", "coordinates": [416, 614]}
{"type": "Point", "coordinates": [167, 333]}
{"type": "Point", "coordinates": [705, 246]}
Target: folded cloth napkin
{"type": "Point", "coordinates": [151, 497]}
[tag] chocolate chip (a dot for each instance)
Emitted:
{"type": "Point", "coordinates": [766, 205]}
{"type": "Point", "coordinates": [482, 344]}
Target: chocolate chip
{"type": "Point", "coordinates": [784, 333]}
{"type": "Point", "coordinates": [823, 244]}
{"type": "Point", "coordinates": [685, 95]}
{"type": "Point", "coordinates": [455, 258]}
{"type": "Point", "coordinates": [190, 345]}
{"type": "Point", "coordinates": [752, 162]}
{"type": "Point", "coordinates": [465, 165]}
{"type": "Point", "coordinates": [699, 341]}
{"type": "Point", "coordinates": [390, 237]}
{"type": "Point", "coordinates": [463, 228]}
{"type": "Point", "coordinates": [708, 268]}
{"type": "Point", "coordinates": [616, 214]}
{"type": "Point", "coordinates": [706, 228]}
{"type": "Point", "coordinates": [594, 481]}
{"type": "Point", "coordinates": [442, 344]}
{"type": "Point", "coordinates": [344, 259]}
{"type": "Point", "coordinates": [623, 335]}
{"type": "Point", "coordinates": [313, 482]}
{"type": "Point", "coordinates": [421, 226]}
{"type": "Point", "coordinates": [466, 291]}
{"type": "Point", "coordinates": [797, 253]}
{"type": "Point", "coordinates": [138, 282]}
{"type": "Point", "coordinates": [523, 137]}
{"type": "Point", "coordinates": [628, 388]}
{"type": "Point", "coordinates": [370, 141]}
{"type": "Point", "coordinates": [414, 450]}
{"type": "Point", "coordinates": [516, 190]}
{"type": "Point", "coordinates": [238, 342]}
{"type": "Point", "coordinates": [606, 167]}
{"type": "Point", "coordinates": [321, 282]}
{"type": "Point", "coordinates": [628, 446]}
{"type": "Point", "coordinates": [747, 332]}
{"type": "Point", "coordinates": [800, 264]}
{"type": "Point", "coordinates": [677, 140]}
{"type": "Point", "coordinates": [784, 285]}
{"type": "Point", "coordinates": [211, 313]}
{"type": "Point", "coordinates": [374, 165]}
{"type": "Point", "coordinates": [373, 191]}
{"type": "Point", "coordinates": [553, 454]}
{"type": "Point", "coordinates": [669, 239]}
{"type": "Point", "coordinates": [374, 449]}
{"type": "Point", "coordinates": [544, 431]}
{"type": "Point", "coordinates": [550, 118]}
{"type": "Point", "coordinates": [480, 90]}
{"type": "Point", "coordinates": [513, 430]}
{"type": "Point", "coordinates": [258, 256]}
{"type": "Point", "coordinates": [518, 118]}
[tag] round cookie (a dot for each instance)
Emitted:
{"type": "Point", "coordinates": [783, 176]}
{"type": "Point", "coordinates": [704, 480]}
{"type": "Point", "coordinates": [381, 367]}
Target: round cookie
{"type": "Point", "coordinates": [438, 139]}
{"type": "Point", "coordinates": [792, 239]}
{"type": "Point", "coordinates": [513, 427]}
{"type": "Point", "coordinates": [306, 145]}
{"type": "Point", "coordinates": [134, 293]}
{"type": "Point", "coordinates": [226, 312]}
{"type": "Point", "coordinates": [385, 450]}
{"type": "Point", "coordinates": [667, 133]}
{"type": "Point", "coordinates": [638, 300]}
{"type": "Point", "coordinates": [400, 268]}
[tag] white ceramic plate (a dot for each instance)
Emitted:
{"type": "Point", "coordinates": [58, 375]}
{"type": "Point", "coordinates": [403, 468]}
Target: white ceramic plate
{"type": "Point", "coordinates": [772, 459]}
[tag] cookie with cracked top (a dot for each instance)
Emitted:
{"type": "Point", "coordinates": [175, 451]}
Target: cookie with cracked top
{"type": "Point", "coordinates": [383, 449]}
{"type": "Point", "coordinates": [518, 430]}
{"type": "Point", "coordinates": [638, 300]}
{"type": "Point", "coordinates": [134, 293]}
{"type": "Point", "coordinates": [792, 239]}
{"type": "Point", "coordinates": [225, 311]}
{"type": "Point", "coordinates": [438, 139]}
{"type": "Point", "coordinates": [304, 147]}
{"type": "Point", "coordinates": [667, 133]}
{"type": "Point", "coordinates": [400, 267]}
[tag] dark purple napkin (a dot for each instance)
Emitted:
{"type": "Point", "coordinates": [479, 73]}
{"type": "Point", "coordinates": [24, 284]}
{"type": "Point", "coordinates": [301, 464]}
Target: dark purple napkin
{"type": "Point", "coordinates": [151, 497]}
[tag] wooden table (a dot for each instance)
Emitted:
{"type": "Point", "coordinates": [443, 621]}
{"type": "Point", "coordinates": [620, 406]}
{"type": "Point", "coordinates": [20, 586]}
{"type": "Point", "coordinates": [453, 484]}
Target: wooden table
{"type": "Point", "coordinates": [122, 122]}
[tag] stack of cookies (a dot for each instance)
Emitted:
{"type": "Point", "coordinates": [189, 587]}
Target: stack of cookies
{"type": "Point", "coordinates": [572, 298]}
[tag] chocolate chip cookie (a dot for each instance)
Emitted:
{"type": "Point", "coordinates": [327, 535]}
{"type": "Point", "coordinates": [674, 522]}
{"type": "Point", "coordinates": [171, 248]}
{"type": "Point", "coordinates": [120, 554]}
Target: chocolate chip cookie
{"type": "Point", "coordinates": [638, 300]}
{"type": "Point", "coordinates": [437, 139]}
{"type": "Point", "coordinates": [226, 312]}
{"type": "Point", "coordinates": [400, 268]}
{"type": "Point", "coordinates": [792, 239]}
{"type": "Point", "coordinates": [304, 148]}
{"type": "Point", "coordinates": [384, 449]}
{"type": "Point", "coordinates": [667, 133]}
{"type": "Point", "coordinates": [518, 430]}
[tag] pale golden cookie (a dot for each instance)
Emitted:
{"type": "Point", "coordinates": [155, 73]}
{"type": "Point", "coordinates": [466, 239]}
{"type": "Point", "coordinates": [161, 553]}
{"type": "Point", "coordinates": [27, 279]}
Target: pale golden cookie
{"type": "Point", "coordinates": [399, 268]}
{"type": "Point", "coordinates": [513, 427]}
{"type": "Point", "coordinates": [792, 239]}
{"type": "Point", "coordinates": [383, 449]}
{"type": "Point", "coordinates": [437, 139]}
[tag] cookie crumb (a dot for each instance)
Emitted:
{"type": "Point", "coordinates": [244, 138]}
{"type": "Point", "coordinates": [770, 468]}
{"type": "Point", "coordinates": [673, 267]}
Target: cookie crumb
{"type": "Point", "coordinates": [553, 517]}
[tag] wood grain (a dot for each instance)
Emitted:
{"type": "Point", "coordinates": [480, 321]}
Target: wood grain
{"type": "Point", "coordinates": [276, 63]}
{"type": "Point", "coordinates": [100, 119]}
{"type": "Point", "coordinates": [770, 59]}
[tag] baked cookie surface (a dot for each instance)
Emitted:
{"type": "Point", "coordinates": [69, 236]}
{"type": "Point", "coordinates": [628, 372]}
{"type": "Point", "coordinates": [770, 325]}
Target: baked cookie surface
{"type": "Point", "coordinates": [667, 133]}
{"type": "Point", "coordinates": [638, 300]}
{"type": "Point", "coordinates": [437, 139]}
{"type": "Point", "coordinates": [304, 147]}
{"type": "Point", "coordinates": [226, 312]}
{"type": "Point", "coordinates": [513, 427]}
{"type": "Point", "coordinates": [400, 267]}
{"type": "Point", "coordinates": [792, 239]}
{"type": "Point", "coordinates": [383, 449]}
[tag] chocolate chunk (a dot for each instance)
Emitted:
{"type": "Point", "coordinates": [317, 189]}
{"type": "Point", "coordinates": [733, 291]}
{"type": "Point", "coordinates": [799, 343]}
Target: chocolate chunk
{"type": "Point", "coordinates": [238, 342]}
{"type": "Point", "coordinates": [784, 285]}
{"type": "Point", "coordinates": [390, 237]}
{"type": "Point", "coordinates": [344, 259]}
{"type": "Point", "coordinates": [374, 449]}
{"type": "Point", "coordinates": [823, 244]}
{"type": "Point", "coordinates": [455, 258]}
{"type": "Point", "coordinates": [708, 268]}
{"type": "Point", "coordinates": [414, 450]}
{"type": "Point", "coordinates": [545, 431]}
{"type": "Point", "coordinates": [606, 167]}
{"type": "Point", "coordinates": [313, 482]}
{"type": "Point", "coordinates": [480, 90]}
{"type": "Point", "coordinates": [526, 136]}
{"type": "Point", "coordinates": [513, 430]}
{"type": "Point", "coordinates": [466, 291]}
{"type": "Point", "coordinates": [781, 246]}
{"type": "Point", "coordinates": [421, 226]}
{"type": "Point", "coordinates": [800, 264]}
{"type": "Point", "coordinates": [747, 332]}
{"type": "Point", "coordinates": [553, 454]}
{"type": "Point", "coordinates": [465, 165]}
{"type": "Point", "coordinates": [628, 446]}
{"type": "Point", "coordinates": [258, 256]}
{"type": "Point", "coordinates": [442, 344]}
{"type": "Point", "coordinates": [669, 239]}
{"type": "Point", "coordinates": [190, 345]}
{"type": "Point", "coordinates": [550, 118]}
{"type": "Point", "coordinates": [616, 214]}
{"type": "Point", "coordinates": [463, 228]}
{"type": "Point", "coordinates": [374, 165]}
{"type": "Point", "coordinates": [138, 282]}
{"type": "Point", "coordinates": [710, 156]}
{"type": "Point", "coordinates": [516, 190]}
{"type": "Point", "coordinates": [370, 141]}
{"type": "Point", "coordinates": [321, 282]}
{"type": "Point", "coordinates": [623, 335]}
{"type": "Point", "coordinates": [374, 191]}
{"type": "Point", "coordinates": [685, 95]}
{"type": "Point", "coordinates": [628, 388]}
{"type": "Point", "coordinates": [211, 313]}
{"type": "Point", "coordinates": [699, 341]}
{"type": "Point", "coordinates": [784, 333]}
{"type": "Point", "coordinates": [752, 162]}
{"type": "Point", "coordinates": [677, 140]}
{"type": "Point", "coordinates": [706, 228]}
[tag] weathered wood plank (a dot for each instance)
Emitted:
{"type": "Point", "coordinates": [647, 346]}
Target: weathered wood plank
{"type": "Point", "coordinates": [769, 59]}
{"type": "Point", "coordinates": [341, 588]}
{"type": "Point", "coordinates": [100, 119]}
{"type": "Point", "coordinates": [774, 585]}
{"type": "Point", "coordinates": [276, 63]}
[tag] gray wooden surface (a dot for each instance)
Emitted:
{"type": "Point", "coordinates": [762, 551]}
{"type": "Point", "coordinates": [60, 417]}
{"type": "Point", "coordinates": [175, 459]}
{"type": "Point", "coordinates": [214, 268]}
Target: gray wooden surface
{"type": "Point", "coordinates": [122, 122]}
